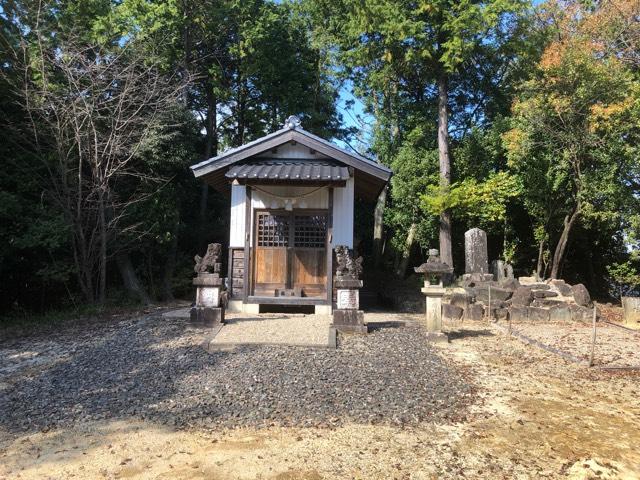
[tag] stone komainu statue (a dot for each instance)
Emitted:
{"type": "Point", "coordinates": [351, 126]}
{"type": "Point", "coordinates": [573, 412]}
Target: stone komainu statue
{"type": "Point", "coordinates": [207, 264]}
{"type": "Point", "coordinates": [348, 267]}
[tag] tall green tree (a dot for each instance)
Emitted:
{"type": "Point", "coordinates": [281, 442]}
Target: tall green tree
{"type": "Point", "coordinates": [409, 57]}
{"type": "Point", "coordinates": [575, 135]}
{"type": "Point", "coordinates": [239, 90]}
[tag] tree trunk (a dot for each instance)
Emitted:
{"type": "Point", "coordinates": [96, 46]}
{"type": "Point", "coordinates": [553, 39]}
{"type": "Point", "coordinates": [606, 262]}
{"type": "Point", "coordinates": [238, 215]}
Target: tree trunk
{"type": "Point", "coordinates": [170, 265]}
{"type": "Point", "coordinates": [540, 267]}
{"type": "Point", "coordinates": [83, 270]}
{"type": "Point", "coordinates": [445, 168]}
{"type": "Point", "coordinates": [102, 261]}
{"type": "Point", "coordinates": [378, 217]}
{"type": "Point", "coordinates": [202, 216]}
{"type": "Point", "coordinates": [188, 47]}
{"type": "Point", "coordinates": [406, 253]}
{"type": "Point", "coordinates": [129, 278]}
{"type": "Point", "coordinates": [211, 150]}
{"type": "Point", "coordinates": [593, 285]}
{"type": "Point", "coordinates": [558, 256]}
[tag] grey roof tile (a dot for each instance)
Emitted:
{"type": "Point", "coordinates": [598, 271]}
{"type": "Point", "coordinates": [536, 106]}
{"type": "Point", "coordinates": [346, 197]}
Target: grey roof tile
{"type": "Point", "coordinates": [303, 170]}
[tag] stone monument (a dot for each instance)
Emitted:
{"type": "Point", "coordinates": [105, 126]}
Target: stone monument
{"type": "Point", "coordinates": [347, 317]}
{"type": "Point", "coordinates": [501, 271]}
{"type": "Point", "coordinates": [476, 257]}
{"type": "Point", "coordinates": [433, 271]}
{"type": "Point", "coordinates": [209, 309]}
{"type": "Point", "coordinates": [631, 309]}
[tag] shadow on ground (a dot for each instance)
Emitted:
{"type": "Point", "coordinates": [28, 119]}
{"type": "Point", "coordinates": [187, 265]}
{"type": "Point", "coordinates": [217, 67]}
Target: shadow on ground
{"type": "Point", "coordinates": [459, 334]}
{"type": "Point", "coordinates": [154, 368]}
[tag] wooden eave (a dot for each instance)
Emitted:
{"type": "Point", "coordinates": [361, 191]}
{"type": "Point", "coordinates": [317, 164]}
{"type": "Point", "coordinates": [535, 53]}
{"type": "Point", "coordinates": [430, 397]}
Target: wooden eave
{"type": "Point", "coordinates": [370, 177]}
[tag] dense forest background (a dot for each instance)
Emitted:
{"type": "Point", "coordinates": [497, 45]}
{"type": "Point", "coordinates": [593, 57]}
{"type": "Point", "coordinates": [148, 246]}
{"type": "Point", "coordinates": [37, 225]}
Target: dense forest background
{"type": "Point", "coordinates": [520, 118]}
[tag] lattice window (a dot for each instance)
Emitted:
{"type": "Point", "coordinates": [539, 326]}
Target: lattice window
{"type": "Point", "coordinates": [310, 231]}
{"type": "Point", "coordinates": [273, 230]}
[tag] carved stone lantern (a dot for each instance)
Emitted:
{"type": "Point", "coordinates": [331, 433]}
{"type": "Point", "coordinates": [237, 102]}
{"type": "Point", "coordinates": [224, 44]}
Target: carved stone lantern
{"type": "Point", "coordinates": [347, 317]}
{"type": "Point", "coordinates": [209, 307]}
{"type": "Point", "coordinates": [434, 269]}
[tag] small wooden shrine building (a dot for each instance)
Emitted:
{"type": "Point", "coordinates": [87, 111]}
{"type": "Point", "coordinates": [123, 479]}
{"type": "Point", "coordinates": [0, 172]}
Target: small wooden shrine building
{"type": "Point", "coordinates": [292, 202]}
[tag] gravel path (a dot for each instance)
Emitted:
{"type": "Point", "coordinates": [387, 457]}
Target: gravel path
{"type": "Point", "coordinates": [275, 329]}
{"type": "Point", "coordinates": [156, 369]}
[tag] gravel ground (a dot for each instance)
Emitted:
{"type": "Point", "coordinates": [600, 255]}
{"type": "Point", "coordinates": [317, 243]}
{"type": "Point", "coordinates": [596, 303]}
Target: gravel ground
{"type": "Point", "coordinates": [155, 369]}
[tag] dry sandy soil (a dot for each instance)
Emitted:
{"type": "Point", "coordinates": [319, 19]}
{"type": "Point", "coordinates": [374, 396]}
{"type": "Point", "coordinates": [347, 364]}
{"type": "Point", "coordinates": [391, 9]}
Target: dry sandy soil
{"type": "Point", "coordinates": [537, 416]}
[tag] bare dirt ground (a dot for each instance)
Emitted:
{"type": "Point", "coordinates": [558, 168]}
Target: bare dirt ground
{"type": "Point", "coordinates": [615, 347]}
{"type": "Point", "coordinates": [536, 416]}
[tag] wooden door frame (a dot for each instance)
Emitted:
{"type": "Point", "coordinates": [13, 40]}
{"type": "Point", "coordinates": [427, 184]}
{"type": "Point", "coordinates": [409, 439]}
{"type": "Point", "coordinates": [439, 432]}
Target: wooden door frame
{"type": "Point", "coordinates": [291, 213]}
{"type": "Point", "coordinates": [247, 287]}
{"type": "Point", "coordinates": [328, 248]}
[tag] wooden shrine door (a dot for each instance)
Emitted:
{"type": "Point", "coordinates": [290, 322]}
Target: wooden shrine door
{"type": "Point", "coordinates": [290, 253]}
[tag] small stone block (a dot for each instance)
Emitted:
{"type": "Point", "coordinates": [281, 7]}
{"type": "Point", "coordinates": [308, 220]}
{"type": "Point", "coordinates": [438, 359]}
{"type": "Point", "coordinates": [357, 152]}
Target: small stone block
{"type": "Point", "coordinates": [547, 302]}
{"type": "Point", "coordinates": [349, 321]}
{"type": "Point", "coordinates": [340, 282]}
{"type": "Point", "coordinates": [482, 294]}
{"type": "Point", "coordinates": [460, 300]}
{"type": "Point", "coordinates": [452, 312]}
{"type": "Point", "coordinates": [562, 287]}
{"type": "Point", "coordinates": [538, 314]}
{"type": "Point", "coordinates": [522, 297]}
{"type": "Point", "coordinates": [501, 313]}
{"type": "Point", "coordinates": [581, 295]}
{"type": "Point", "coordinates": [207, 317]}
{"type": "Point", "coordinates": [333, 343]}
{"type": "Point", "coordinates": [544, 293]}
{"type": "Point", "coordinates": [348, 317]}
{"type": "Point", "coordinates": [510, 284]}
{"type": "Point", "coordinates": [437, 337]}
{"type": "Point", "coordinates": [361, 329]}
{"type": "Point", "coordinates": [477, 277]}
{"type": "Point", "coordinates": [475, 311]}
{"type": "Point", "coordinates": [519, 314]}
{"type": "Point", "coordinates": [560, 314]}
{"type": "Point", "coordinates": [580, 313]}
{"type": "Point", "coordinates": [207, 280]}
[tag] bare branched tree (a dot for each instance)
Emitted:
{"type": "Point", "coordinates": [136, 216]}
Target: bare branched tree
{"type": "Point", "coordinates": [90, 111]}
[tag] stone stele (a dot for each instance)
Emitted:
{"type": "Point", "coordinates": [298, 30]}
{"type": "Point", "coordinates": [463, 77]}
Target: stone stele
{"type": "Point", "coordinates": [476, 258]}
{"type": "Point", "coordinates": [631, 307]}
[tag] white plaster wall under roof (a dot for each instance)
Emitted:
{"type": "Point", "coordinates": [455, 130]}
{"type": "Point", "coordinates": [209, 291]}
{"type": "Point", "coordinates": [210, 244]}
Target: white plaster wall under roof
{"type": "Point", "coordinates": [303, 198]}
{"type": "Point", "coordinates": [289, 150]}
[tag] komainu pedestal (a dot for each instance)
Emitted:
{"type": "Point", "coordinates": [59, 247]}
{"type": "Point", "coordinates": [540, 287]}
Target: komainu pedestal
{"type": "Point", "coordinates": [208, 310]}
{"type": "Point", "coordinates": [347, 317]}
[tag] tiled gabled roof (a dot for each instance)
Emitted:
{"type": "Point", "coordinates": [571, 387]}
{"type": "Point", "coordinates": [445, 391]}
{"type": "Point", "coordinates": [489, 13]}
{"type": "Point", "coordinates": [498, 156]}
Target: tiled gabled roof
{"type": "Point", "coordinates": [299, 170]}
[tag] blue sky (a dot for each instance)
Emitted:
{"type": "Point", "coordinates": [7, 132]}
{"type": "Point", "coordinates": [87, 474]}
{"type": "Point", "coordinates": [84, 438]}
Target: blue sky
{"type": "Point", "coordinates": [353, 115]}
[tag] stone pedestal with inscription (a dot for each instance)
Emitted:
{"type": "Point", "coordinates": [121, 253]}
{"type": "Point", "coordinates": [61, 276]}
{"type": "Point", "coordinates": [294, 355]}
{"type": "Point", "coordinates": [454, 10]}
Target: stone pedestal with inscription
{"type": "Point", "coordinates": [347, 317]}
{"type": "Point", "coordinates": [208, 310]}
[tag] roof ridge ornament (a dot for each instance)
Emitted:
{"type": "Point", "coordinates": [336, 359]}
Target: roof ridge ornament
{"type": "Point", "coordinates": [292, 122]}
